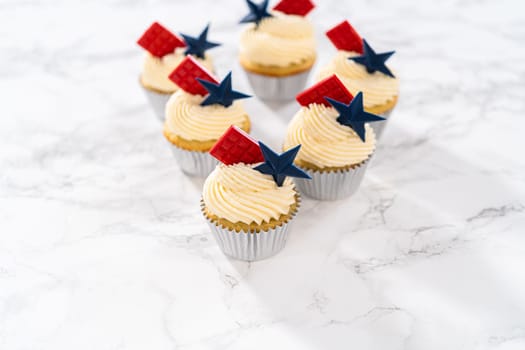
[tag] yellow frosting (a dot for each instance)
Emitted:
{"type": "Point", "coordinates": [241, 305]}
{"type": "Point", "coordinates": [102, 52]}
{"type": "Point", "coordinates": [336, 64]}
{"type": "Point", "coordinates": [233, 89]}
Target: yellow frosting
{"type": "Point", "coordinates": [281, 40]}
{"type": "Point", "coordinates": [324, 142]}
{"type": "Point", "coordinates": [185, 117]}
{"type": "Point", "coordinates": [239, 193]}
{"type": "Point", "coordinates": [377, 88]}
{"type": "Point", "coordinates": [156, 70]}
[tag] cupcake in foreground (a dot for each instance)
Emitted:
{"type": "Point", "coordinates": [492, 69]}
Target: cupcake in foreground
{"type": "Point", "coordinates": [164, 52]}
{"type": "Point", "coordinates": [360, 68]}
{"type": "Point", "coordinates": [199, 113]}
{"type": "Point", "coordinates": [249, 199]}
{"type": "Point", "coordinates": [337, 141]}
{"type": "Point", "coordinates": [277, 48]}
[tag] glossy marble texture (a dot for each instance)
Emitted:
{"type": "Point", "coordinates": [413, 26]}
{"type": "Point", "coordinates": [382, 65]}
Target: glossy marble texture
{"type": "Point", "coordinates": [102, 244]}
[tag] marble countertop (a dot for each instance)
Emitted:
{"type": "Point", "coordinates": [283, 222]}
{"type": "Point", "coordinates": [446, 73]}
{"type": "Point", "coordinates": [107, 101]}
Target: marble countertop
{"type": "Point", "coordinates": [102, 245]}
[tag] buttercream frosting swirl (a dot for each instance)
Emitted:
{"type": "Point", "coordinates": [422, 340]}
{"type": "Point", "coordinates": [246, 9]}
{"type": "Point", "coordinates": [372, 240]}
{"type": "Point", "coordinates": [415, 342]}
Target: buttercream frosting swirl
{"type": "Point", "coordinates": [240, 193]}
{"type": "Point", "coordinates": [156, 70]}
{"type": "Point", "coordinates": [377, 88]}
{"type": "Point", "coordinates": [280, 40]}
{"type": "Point", "coordinates": [324, 141]}
{"type": "Point", "coordinates": [185, 117]}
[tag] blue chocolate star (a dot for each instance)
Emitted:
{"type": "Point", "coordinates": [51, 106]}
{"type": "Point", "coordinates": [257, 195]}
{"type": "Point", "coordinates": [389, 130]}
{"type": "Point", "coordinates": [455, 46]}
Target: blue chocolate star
{"type": "Point", "coordinates": [257, 12]}
{"type": "Point", "coordinates": [353, 114]}
{"type": "Point", "coordinates": [280, 165]}
{"type": "Point", "coordinates": [198, 46]}
{"type": "Point", "coordinates": [373, 61]}
{"type": "Point", "coordinates": [222, 93]}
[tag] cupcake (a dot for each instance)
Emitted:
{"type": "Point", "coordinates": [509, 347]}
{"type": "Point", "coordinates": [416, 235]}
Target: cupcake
{"type": "Point", "coordinates": [337, 141]}
{"type": "Point", "coordinates": [277, 48]}
{"type": "Point", "coordinates": [249, 199]}
{"type": "Point", "coordinates": [198, 114]}
{"type": "Point", "coordinates": [164, 52]}
{"type": "Point", "coordinates": [360, 68]}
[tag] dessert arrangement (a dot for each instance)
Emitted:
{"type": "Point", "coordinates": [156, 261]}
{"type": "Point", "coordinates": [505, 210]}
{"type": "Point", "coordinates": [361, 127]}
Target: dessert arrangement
{"type": "Point", "coordinates": [251, 194]}
{"type": "Point", "coordinates": [360, 68]}
{"type": "Point", "coordinates": [164, 52]}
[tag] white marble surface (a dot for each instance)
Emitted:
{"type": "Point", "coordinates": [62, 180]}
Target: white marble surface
{"type": "Point", "coordinates": [102, 245]}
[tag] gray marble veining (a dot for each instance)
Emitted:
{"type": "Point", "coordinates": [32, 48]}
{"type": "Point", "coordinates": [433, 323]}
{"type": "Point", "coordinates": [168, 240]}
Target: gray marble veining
{"type": "Point", "coordinates": [102, 243]}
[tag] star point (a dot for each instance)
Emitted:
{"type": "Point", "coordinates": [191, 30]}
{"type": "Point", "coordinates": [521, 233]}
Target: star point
{"type": "Point", "coordinates": [353, 115]}
{"type": "Point", "coordinates": [279, 166]}
{"type": "Point", "coordinates": [221, 93]}
{"type": "Point", "coordinates": [373, 61]}
{"type": "Point", "coordinates": [257, 12]}
{"type": "Point", "coordinates": [199, 45]}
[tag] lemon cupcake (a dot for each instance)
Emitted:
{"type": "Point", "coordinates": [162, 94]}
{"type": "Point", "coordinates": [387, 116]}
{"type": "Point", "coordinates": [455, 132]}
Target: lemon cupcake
{"type": "Point", "coordinates": [360, 68]}
{"type": "Point", "coordinates": [277, 48]}
{"type": "Point", "coordinates": [164, 52]}
{"type": "Point", "coordinates": [337, 141]}
{"type": "Point", "coordinates": [247, 204]}
{"type": "Point", "coordinates": [198, 114]}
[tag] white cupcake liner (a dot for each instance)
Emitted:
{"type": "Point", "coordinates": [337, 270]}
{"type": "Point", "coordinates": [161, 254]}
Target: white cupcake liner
{"type": "Point", "coordinates": [332, 185]}
{"type": "Point", "coordinates": [157, 101]}
{"type": "Point", "coordinates": [252, 245]}
{"type": "Point", "coordinates": [379, 127]}
{"type": "Point", "coordinates": [194, 163]}
{"type": "Point", "coordinates": [277, 89]}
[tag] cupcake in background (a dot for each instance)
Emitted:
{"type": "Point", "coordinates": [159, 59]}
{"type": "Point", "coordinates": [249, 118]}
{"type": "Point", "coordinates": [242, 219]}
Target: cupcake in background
{"type": "Point", "coordinates": [336, 140]}
{"type": "Point", "coordinates": [360, 68]}
{"type": "Point", "coordinates": [198, 114]}
{"type": "Point", "coordinates": [277, 48]}
{"type": "Point", "coordinates": [164, 52]}
{"type": "Point", "coordinates": [249, 199]}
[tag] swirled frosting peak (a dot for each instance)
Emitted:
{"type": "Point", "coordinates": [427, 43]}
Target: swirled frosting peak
{"type": "Point", "coordinates": [279, 40]}
{"type": "Point", "coordinates": [377, 88]}
{"type": "Point", "coordinates": [185, 117]}
{"type": "Point", "coordinates": [156, 70]}
{"type": "Point", "coordinates": [239, 193]}
{"type": "Point", "coordinates": [324, 141]}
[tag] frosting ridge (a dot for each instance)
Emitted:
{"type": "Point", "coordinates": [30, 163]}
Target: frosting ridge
{"type": "Point", "coordinates": [239, 193]}
{"type": "Point", "coordinates": [324, 141]}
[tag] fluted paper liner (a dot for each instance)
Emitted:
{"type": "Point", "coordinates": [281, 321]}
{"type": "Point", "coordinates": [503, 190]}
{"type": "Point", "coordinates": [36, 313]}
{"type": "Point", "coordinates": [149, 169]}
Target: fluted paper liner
{"type": "Point", "coordinates": [194, 163]}
{"type": "Point", "coordinates": [157, 101]}
{"type": "Point", "coordinates": [254, 244]}
{"type": "Point", "coordinates": [283, 88]}
{"type": "Point", "coordinates": [379, 127]}
{"type": "Point", "coordinates": [333, 184]}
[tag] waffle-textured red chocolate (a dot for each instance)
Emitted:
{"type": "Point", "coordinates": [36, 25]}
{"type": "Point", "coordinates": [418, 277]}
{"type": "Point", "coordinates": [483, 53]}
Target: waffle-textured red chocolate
{"type": "Point", "coordinates": [295, 7]}
{"type": "Point", "coordinates": [345, 37]}
{"type": "Point", "coordinates": [330, 87]}
{"type": "Point", "coordinates": [186, 74]}
{"type": "Point", "coordinates": [159, 41]}
{"type": "Point", "coordinates": [236, 146]}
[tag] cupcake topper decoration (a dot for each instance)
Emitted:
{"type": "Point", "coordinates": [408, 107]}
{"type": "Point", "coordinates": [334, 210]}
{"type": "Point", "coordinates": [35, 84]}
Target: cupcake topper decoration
{"type": "Point", "coordinates": [236, 146]}
{"type": "Point", "coordinates": [186, 74]}
{"type": "Point", "coordinates": [222, 93]}
{"type": "Point", "coordinates": [295, 7]}
{"type": "Point", "coordinates": [353, 114]}
{"type": "Point", "coordinates": [345, 37]}
{"type": "Point", "coordinates": [257, 12]}
{"type": "Point", "coordinates": [329, 87]}
{"type": "Point", "coordinates": [159, 41]}
{"type": "Point", "coordinates": [280, 165]}
{"type": "Point", "coordinates": [373, 61]}
{"type": "Point", "coordinates": [198, 46]}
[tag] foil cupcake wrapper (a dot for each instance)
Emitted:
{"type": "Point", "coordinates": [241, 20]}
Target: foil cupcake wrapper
{"type": "Point", "coordinates": [332, 185]}
{"type": "Point", "coordinates": [251, 245]}
{"type": "Point", "coordinates": [277, 89]}
{"type": "Point", "coordinates": [157, 101]}
{"type": "Point", "coordinates": [379, 127]}
{"type": "Point", "coordinates": [194, 163]}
